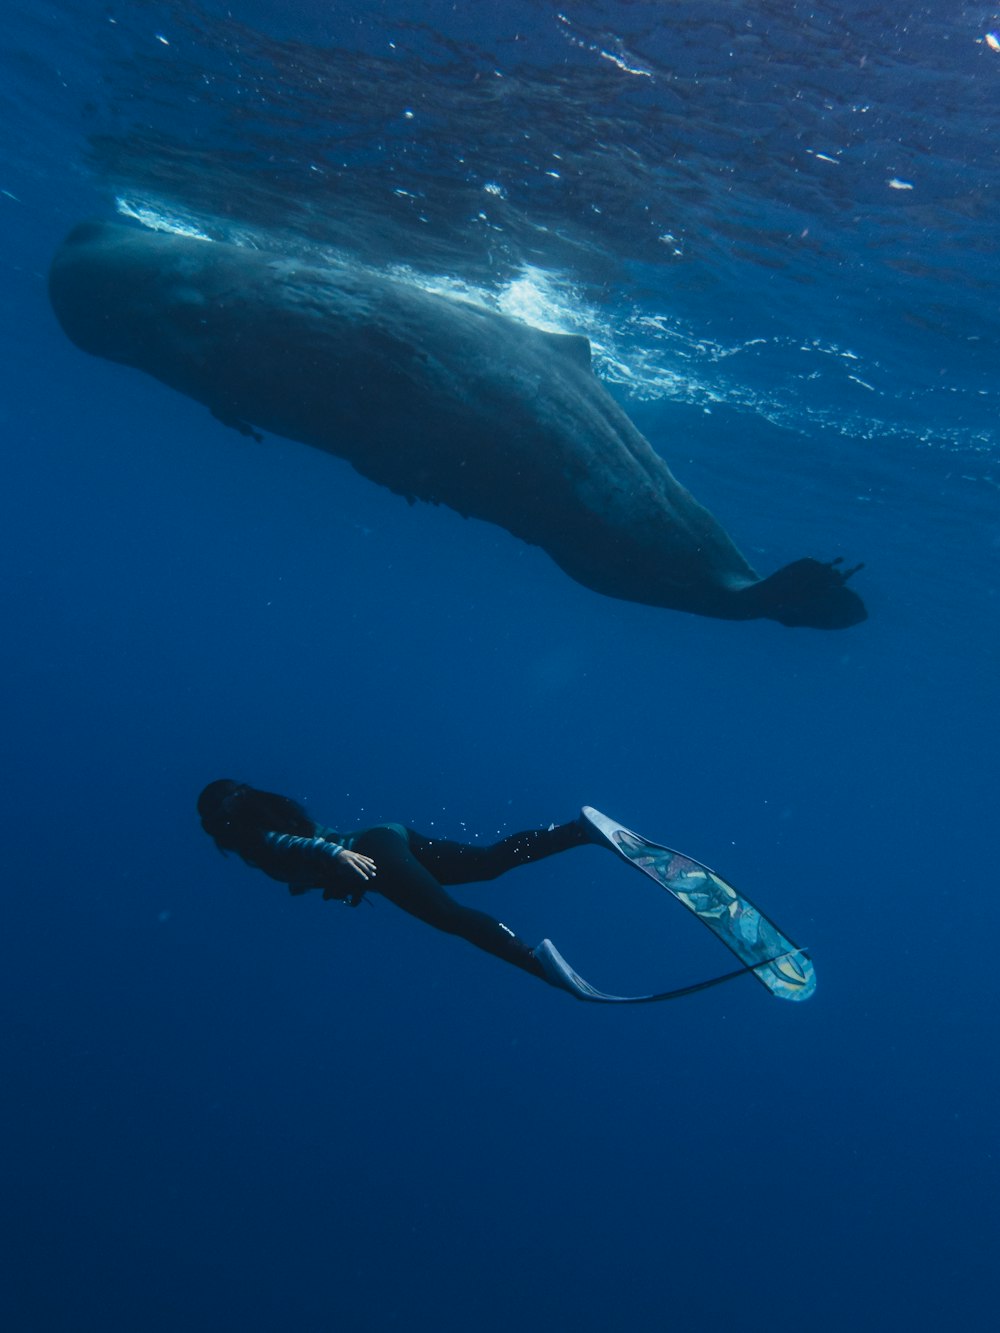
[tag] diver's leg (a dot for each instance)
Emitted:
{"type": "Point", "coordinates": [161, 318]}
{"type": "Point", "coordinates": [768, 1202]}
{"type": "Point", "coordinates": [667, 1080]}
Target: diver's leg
{"type": "Point", "coordinates": [404, 881]}
{"type": "Point", "coordinates": [466, 863]}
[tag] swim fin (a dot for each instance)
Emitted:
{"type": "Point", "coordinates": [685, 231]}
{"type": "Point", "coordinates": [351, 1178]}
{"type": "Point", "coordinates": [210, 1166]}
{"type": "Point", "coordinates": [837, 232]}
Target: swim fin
{"type": "Point", "coordinates": [558, 973]}
{"type": "Point", "coordinates": [786, 970]}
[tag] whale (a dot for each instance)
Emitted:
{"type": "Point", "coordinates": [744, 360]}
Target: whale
{"type": "Point", "coordinates": [436, 397]}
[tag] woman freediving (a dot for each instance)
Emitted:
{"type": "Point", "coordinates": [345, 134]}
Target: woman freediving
{"type": "Point", "coordinates": [275, 834]}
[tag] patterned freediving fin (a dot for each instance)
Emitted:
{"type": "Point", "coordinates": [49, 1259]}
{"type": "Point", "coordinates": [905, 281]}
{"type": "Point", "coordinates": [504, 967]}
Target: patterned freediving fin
{"type": "Point", "coordinates": [777, 963]}
{"type": "Point", "coordinates": [559, 973]}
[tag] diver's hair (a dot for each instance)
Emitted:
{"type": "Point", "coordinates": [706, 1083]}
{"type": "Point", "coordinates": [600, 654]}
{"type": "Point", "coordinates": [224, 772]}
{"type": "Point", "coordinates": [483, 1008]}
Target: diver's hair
{"type": "Point", "coordinates": [235, 815]}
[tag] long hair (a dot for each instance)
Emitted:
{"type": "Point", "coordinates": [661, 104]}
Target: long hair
{"type": "Point", "coordinates": [235, 816]}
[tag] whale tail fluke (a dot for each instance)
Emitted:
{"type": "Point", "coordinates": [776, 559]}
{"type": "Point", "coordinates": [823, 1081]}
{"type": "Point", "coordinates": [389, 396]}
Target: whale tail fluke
{"type": "Point", "coordinates": [807, 592]}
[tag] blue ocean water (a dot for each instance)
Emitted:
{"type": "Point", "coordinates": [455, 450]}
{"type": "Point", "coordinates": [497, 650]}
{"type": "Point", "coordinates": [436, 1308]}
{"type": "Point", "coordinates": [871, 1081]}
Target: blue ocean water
{"type": "Point", "coordinates": [225, 1109]}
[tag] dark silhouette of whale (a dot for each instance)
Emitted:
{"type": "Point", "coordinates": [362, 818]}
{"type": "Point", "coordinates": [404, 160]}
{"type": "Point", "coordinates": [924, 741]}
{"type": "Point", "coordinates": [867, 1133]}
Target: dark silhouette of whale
{"type": "Point", "coordinates": [432, 396]}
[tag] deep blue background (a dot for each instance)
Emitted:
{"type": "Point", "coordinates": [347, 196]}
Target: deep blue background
{"type": "Point", "coordinates": [225, 1109]}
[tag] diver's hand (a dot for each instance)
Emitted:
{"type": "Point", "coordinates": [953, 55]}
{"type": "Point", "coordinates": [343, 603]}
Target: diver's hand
{"type": "Point", "coordinates": [358, 864]}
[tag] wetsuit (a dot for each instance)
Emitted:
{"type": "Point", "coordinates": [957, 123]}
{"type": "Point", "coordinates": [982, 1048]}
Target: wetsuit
{"type": "Point", "coordinates": [412, 870]}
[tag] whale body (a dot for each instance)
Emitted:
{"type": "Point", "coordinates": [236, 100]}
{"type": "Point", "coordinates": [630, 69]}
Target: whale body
{"type": "Point", "coordinates": [432, 396]}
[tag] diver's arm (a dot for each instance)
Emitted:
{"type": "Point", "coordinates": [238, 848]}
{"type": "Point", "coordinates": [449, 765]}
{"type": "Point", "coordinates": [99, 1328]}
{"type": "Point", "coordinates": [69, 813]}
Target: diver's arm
{"type": "Point", "coordinates": [313, 852]}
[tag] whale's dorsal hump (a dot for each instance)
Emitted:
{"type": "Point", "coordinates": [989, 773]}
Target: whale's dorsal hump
{"type": "Point", "coordinates": [572, 345]}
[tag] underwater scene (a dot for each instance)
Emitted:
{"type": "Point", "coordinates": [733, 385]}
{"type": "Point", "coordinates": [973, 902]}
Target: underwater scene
{"type": "Point", "coordinates": [522, 479]}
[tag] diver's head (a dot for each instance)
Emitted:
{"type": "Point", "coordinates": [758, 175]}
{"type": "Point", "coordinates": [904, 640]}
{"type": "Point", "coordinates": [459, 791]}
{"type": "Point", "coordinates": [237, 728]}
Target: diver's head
{"type": "Point", "coordinates": [218, 806]}
{"type": "Point", "coordinates": [233, 814]}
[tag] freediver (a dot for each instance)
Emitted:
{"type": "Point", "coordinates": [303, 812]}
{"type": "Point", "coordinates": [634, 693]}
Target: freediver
{"type": "Point", "coordinates": [274, 834]}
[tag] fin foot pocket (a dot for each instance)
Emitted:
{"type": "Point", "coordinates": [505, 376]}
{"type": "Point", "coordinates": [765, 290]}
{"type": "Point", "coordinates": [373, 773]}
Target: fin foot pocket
{"type": "Point", "coordinates": [558, 973]}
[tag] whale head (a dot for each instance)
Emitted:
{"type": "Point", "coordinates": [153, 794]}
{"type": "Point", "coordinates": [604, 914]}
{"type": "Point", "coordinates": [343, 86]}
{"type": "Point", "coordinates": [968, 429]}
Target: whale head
{"type": "Point", "coordinates": [117, 291]}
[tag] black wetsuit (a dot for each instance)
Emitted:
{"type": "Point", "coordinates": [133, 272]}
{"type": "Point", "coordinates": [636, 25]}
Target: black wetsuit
{"type": "Point", "coordinates": [411, 870]}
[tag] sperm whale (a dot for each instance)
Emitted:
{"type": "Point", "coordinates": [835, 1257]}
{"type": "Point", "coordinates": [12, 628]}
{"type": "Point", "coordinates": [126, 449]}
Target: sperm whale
{"type": "Point", "coordinates": [433, 396]}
